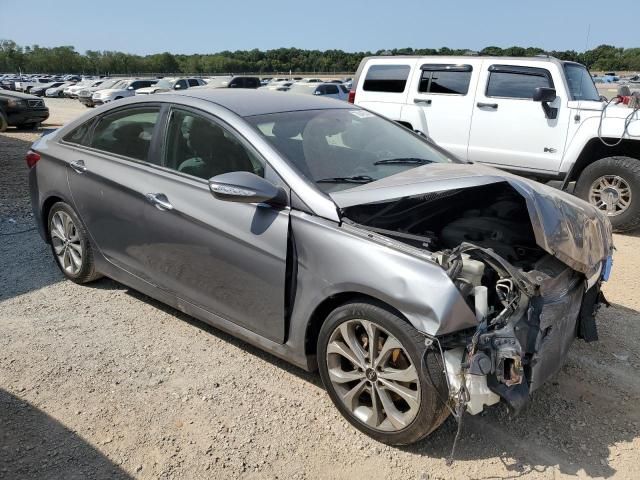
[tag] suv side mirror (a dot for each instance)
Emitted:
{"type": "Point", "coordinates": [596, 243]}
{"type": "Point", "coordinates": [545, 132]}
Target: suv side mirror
{"type": "Point", "coordinates": [246, 187]}
{"type": "Point", "coordinates": [130, 88]}
{"type": "Point", "coordinates": [544, 95]}
{"type": "Point", "coordinates": [177, 87]}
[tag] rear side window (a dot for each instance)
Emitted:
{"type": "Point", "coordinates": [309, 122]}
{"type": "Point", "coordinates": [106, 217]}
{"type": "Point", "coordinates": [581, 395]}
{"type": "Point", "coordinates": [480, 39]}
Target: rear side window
{"type": "Point", "coordinates": [516, 82]}
{"type": "Point", "coordinates": [448, 79]}
{"type": "Point", "coordinates": [127, 133]}
{"type": "Point", "coordinates": [79, 135]}
{"type": "Point", "coordinates": [386, 78]}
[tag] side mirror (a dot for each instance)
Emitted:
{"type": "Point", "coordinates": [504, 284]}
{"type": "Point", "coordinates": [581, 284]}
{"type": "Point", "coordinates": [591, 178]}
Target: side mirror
{"type": "Point", "coordinates": [177, 87]}
{"type": "Point", "coordinates": [544, 95]}
{"type": "Point", "coordinates": [317, 92]}
{"type": "Point", "coordinates": [246, 187]}
{"type": "Point", "coordinates": [129, 88]}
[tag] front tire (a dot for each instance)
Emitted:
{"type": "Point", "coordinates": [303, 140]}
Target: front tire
{"type": "Point", "coordinates": [612, 185]}
{"type": "Point", "coordinates": [70, 244]}
{"type": "Point", "coordinates": [371, 363]}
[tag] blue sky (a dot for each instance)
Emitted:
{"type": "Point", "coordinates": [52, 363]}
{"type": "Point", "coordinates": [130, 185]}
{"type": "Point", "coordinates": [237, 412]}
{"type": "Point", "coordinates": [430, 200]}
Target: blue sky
{"type": "Point", "coordinates": [197, 26]}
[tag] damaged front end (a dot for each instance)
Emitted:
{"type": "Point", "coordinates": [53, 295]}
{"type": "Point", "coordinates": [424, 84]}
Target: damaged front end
{"type": "Point", "coordinates": [531, 277]}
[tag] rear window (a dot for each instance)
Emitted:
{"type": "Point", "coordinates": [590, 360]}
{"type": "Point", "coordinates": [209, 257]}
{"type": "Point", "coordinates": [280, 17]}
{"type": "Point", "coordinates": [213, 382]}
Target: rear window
{"type": "Point", "coordinates": [516, 82]}
{"type": "Point", "coordinates": [448, 79]}
{"type": "Point", "coordinates": [386, 78]}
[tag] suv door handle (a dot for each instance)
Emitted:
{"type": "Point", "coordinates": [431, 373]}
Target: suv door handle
{"type": "Point", "coordinates": [78, 166]}
{"type": "Point", "coordinates": [160, 201]}
{"type": "Point", "coordinates": [487, 105]}
{"type": "Point", "coordinates": [422, 100]}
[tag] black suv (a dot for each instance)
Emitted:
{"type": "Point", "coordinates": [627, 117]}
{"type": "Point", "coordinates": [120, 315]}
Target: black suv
{"type": "Point", "coordinates": [21, 110]}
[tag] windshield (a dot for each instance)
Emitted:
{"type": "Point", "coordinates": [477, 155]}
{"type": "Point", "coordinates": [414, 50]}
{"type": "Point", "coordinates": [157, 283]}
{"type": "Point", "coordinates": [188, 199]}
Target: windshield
{"type": "Point", "coordinates": [108, 84]}
{"type": "Point", "coordinates": [341, 148]}
{"type": "Point", "coordinates": [165, 83]}
{"type": "Point", "coordinates": [581, 86]}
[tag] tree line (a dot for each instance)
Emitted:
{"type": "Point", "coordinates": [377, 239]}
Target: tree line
{"type": "Point", "coordinates": [65, 59]}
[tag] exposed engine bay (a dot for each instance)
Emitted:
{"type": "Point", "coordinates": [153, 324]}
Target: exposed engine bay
{"type": "Point", "coordinates": [529, 305]}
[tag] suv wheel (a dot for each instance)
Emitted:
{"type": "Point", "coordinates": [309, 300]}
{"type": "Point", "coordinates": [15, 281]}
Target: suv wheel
{"type": "Point", "coordinates": [70, 244]}
{"type": "Point", "coordinates": [612, 185]}
{"type": "Point", "coordinates": [379, 374]}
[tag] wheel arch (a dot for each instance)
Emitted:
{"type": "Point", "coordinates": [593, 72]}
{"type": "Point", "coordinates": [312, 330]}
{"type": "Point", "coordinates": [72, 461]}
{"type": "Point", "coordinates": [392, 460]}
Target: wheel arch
{"type": "Point", "coordinates": [48, 203]}
{"type": "Point", "coordinates": [329, 304]}
{"type": "Point", "coordinates": [595, 150]}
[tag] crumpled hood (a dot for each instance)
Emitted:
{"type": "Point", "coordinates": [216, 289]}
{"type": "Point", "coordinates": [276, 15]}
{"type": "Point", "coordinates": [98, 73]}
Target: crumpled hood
{"type": "Point", "coordinates": [566, 227]}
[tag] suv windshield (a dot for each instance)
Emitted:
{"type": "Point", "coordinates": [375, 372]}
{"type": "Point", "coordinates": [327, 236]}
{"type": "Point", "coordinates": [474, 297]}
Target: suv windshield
{"type": "Point", "coordinates": [342, 148]}
{"type": "Point", "coordinates": [581, 86]}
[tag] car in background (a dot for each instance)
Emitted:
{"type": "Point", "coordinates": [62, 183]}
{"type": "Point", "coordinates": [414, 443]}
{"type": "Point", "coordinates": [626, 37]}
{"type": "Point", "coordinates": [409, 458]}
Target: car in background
{"type": "Point", "coordinates": [281, 86]}
{"type": "Point", "coordinates": [85, 95]}
{"type": "Point", "coordinates": [26, 85]}
{"type": "Point", "coordinates": [168, 84]}
{"type": "Point", "coordinates": [331, 90]}
{"type": "Point", "coordinates": [126, 88]}
{"type": "Point", "coordinates": [59, 90]}
{"type": "Point", "coordinates": [21, 110]}
{"type": "Point", "coordinates": [40, 90]}
{"type": "Point", "coordinates": [239, 81]}
{"type": "Point", "coordinates": [72, 92]}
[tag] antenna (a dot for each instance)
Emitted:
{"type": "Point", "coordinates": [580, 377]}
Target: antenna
{"type": "Point", "coordinates": [586, 45]}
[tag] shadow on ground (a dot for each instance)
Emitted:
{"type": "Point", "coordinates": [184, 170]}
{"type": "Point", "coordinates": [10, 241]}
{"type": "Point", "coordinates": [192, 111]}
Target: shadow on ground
{"type": "Point", "coordinates": [35, 445]}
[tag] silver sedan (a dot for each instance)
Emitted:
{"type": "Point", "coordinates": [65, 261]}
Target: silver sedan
{"type": "Point", "coordinates": [417, 284]}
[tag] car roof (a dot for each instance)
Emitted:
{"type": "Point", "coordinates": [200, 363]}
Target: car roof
{"type": "Point", "coordinates": [248, 102]}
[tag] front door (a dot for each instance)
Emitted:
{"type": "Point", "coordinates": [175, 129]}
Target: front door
{"type": "Point", "coordinates": [508, 128]}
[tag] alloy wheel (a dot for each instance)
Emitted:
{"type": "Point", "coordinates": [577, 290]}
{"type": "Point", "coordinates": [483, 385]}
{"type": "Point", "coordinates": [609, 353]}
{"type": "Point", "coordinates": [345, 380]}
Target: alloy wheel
{"type": "Point", "coordinates": [611, 194]}
{"type": "Point", "coordinates": [373, 375]}
{"type": "Point", "coordinates": [66, 242]}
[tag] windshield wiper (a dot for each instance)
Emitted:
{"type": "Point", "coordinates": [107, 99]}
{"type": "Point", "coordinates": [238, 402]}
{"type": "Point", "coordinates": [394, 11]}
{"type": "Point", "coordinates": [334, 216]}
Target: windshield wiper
{"type": "Point", "coordinates": [353, 179]}
{"type": "Point", "coordinates": [405, 161]}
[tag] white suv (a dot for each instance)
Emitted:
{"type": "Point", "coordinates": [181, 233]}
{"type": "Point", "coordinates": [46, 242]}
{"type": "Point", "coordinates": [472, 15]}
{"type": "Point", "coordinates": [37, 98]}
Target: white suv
{"type": "Point", "coordinates": [537, 116]}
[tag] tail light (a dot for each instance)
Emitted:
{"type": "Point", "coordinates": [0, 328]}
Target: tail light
{"type": "Point", "coordinates": [352, 96]}
{"type": "Point", "coordinates": [32, 158]}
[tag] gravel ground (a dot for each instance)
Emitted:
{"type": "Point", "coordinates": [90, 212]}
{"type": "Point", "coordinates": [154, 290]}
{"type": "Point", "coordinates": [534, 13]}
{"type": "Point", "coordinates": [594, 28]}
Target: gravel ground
{"type": "Point", "coordinates": [100, 381]}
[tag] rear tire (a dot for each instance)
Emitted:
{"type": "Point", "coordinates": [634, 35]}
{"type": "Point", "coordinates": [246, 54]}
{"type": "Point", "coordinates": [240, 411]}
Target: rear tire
{"type": "Point", "coordinates": [376, 408]}
{"type": "Point", "coordinates": [612, 185]}
{"type": "Point", "coordinates": [70, 244]}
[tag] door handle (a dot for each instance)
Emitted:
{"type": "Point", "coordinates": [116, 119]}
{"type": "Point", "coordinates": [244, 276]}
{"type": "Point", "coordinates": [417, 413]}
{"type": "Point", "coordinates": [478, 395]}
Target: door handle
{"type": "Point", "coordinates": [78, 166]}
{"type": "Point", "coordinates": [422, 100]}
{"type": "Point", "coordinates": [487, 105]}
{"type": "Point", "coordinates": [159, 200]}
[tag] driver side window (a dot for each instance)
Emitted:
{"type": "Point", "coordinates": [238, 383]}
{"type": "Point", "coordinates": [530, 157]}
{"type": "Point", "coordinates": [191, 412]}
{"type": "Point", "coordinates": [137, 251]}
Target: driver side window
{"type": "Point", "coordinates": [202, 148]}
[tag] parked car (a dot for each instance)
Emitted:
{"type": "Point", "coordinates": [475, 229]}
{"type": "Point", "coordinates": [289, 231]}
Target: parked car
{"type": "Point", "coordinates": [59, 90]}
{"type": "Point", "coordinates": [279, 86]}
{"type": "Point", "coordinates": [126, 88]}
{"type": "Point", "coordinates": [331, 90]}
{"type": "Point", "coordinates": [333, 238]}
{"type": "Point", "coordinates": [73, 90]}
{"type": "Point", "coordinates": [234, 82]}
{"type": "Point", "coordinates": [40, 90]}
{"type": "Point", "coordinates": [21, 110]}
{"type": "Point", "coordinates": [168, 84]}
{"type": "Point", "coordinates": [26, 85]}
{"type": "Point", "coordinates": [537, 116]}
{"type": "Point", "coordinates": [85, 95]}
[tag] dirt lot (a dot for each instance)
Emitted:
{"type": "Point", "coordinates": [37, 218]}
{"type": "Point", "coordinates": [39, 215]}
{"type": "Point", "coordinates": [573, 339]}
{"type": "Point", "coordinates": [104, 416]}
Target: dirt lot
{"type": "Point", "coordinates": [100, 381]}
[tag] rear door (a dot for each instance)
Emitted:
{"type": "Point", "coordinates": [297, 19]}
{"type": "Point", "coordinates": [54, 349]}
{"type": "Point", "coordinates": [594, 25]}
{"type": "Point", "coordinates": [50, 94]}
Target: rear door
{"type": "Point", "coordinates": [510, 129]}
{"type": "Point", "coordinates": [383, 86]}
{"type": "Point", "coordinates": [440, 102]}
